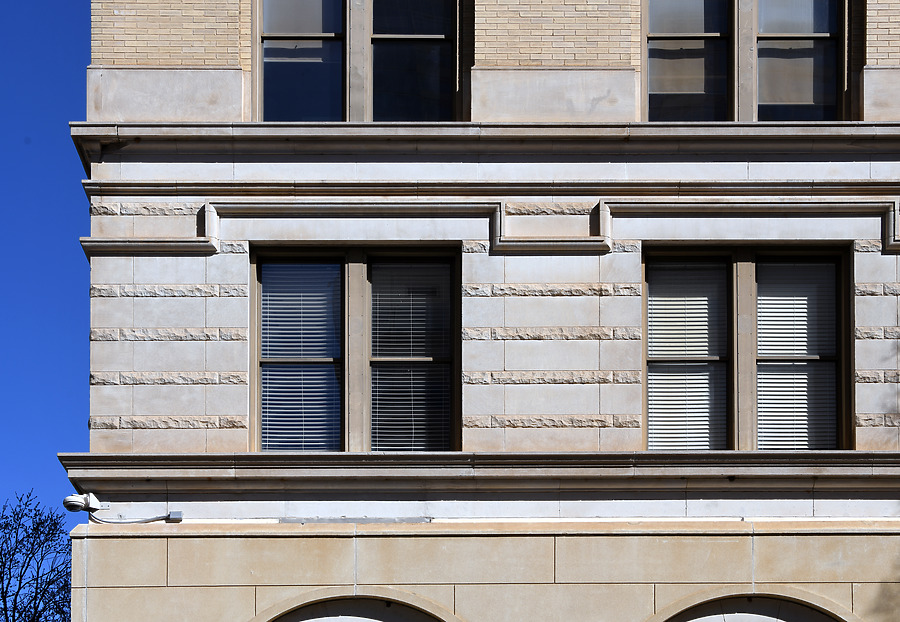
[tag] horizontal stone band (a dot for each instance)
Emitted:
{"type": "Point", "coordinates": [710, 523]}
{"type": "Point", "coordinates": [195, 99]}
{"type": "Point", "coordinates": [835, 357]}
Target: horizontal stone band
{"type": "Point", "coordinates": [561, 333]}
{"type": "Point", "coordinates": [156, 422]}
{"type": "Point", "coordinates": [483, 290]}
{"type": "Point", "coordinates": [552, 377]}
{"type": "Point", "coordinates": [169, 334]}
{"type": "Point", "coordinates": [170, 291]}
{"type": "Point", "coordinates": [167, 378]}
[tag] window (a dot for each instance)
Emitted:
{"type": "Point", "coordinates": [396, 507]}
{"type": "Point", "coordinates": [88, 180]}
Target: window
{"type": "Point", "coordinates": [744, 352]}
{"type": "Point", "coordinates": [773, 60]}
{"type": "Point", "coordinates": [384, 60]}
{"type": "Point", "coordinates": [357, 353]}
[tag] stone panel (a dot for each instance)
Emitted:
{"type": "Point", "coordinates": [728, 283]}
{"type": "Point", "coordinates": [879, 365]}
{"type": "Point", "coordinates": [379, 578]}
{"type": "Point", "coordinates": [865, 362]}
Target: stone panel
{"type": "Point", "coordinates": [649, 559]}
{"type": "Point", "coordinates": [416, 560]}
{"type": "Point", "coordinates": [260, 561]}
{"type": "Point", "coordinates": [110, 562]}
{"type": "Point", "coordinates": [865, 558]}
{"type": "Point", "coordinates": [208, 604]}
{"type": "Point", "coordinates": [554, 603]}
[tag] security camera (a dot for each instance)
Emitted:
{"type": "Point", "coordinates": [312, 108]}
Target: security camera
{"type": "Point", "coordinates": [77, 503]}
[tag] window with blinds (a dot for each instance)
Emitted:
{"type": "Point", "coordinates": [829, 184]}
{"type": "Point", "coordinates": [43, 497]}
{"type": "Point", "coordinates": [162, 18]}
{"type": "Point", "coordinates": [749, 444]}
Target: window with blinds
{"type": "Point", "coordinates": [796, 353]}
{"type": "Point", "coordinates": [687, 348]}
{"type": "Point", "coordinates": [786, 357]}
{"type": "Point", "coordinates": [400, 319]}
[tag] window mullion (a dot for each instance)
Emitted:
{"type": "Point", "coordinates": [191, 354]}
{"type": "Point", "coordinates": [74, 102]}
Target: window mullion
{"type": "Point", "coordinates": [356, 391]}
{"type": "Point", "coordinates": [745, 354]}
{"type": "Point", "coordinates": [359, 60]}
{"type": "Point", "coordinates": [745, 86]}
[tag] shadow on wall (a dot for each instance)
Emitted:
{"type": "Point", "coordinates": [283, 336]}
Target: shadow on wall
{"type": "Point", "coordinates": [885, 606]}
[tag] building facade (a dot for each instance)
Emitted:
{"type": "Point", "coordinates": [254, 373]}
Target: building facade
{"type": "Point", "coordinates": [492, 310]}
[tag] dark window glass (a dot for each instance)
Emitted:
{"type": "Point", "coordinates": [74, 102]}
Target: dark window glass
{"type": "Point", "coordinates": [688, 16]}
{"type": "Point", "coordinates": [797, 80]}
{"type": "Point", "coordinates": [300, 316]}
{"type": "Point", "coordinates": [413, 17]}
{"type": "Point", "coordinates": [413, 80]}
{"type": "Point", "coordinates": [302, 16]}
{"type": "Point", "coordinates": [688, 80]}
{"type": "Point", "coordinates": [797, 16]}
{"type": "Point", "coordinates": [303, 80]}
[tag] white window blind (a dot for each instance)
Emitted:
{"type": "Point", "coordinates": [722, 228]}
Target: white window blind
{"type": "Point", "coordinates": [301, 319]}
{"type": "Point", "coordinates": [411, 323]}
{"type": "Point", "coordinates": [796, 348]}
{"type": "Point", "coordinates": [687, 350]}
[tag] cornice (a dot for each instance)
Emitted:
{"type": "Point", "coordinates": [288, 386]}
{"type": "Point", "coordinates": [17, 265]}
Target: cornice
{"type": "Point", "coordinates": [852, 471]}
{"type": "Point", "coordinates": [97, 140]}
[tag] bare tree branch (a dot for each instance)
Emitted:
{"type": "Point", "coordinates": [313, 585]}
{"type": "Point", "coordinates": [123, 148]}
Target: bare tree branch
{"type": "Point", "coordinates": [35, 561]}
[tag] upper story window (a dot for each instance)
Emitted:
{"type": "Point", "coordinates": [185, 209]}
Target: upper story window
{"type": "Point", "coordinates": [772, 60]}
{"type": "Point", "coordinates": [383, 60]}
{"type": "Point", "coordinates": [356, 353]}
{"type": "Point", "coordinates": [744, 352]}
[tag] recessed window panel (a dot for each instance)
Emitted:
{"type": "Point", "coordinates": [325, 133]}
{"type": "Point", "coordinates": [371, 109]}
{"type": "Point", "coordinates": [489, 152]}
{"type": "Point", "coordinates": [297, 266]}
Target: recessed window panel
{"type": "Point", "coordinates": [797, 16]}
{"type": "Point", "coordinates": [413, 80]}
{"type": "Point", "coordinates": [413, 17]}
{"type": "Point", "coordinates": [410, 407]}
{"type": "Point", "coordinates": [797, 80]}
{"type": "Point", "coordinates": [303, 16]}
{"type": "Point", "coordinates": [688, 80]}
{"type": "Point", "coordinates": [303, 80]}
{"type": "Point", "coordinates": [687, 16]}
{"type": "Point", "coordinates": [300, 407]}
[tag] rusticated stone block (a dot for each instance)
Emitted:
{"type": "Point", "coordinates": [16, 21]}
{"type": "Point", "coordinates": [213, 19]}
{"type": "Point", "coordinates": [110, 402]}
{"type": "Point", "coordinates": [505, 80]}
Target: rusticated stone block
{"type": "Point", "coordinates": [892, 332]}
{"type": "Point", "coordinates": [168, 378]}
{"type": "Point", "coordinates": [234, 291]}
{"type": "Point", "coordinates": [476, 422]}
{"type": "Point", "coordinates": [169, 334]}
{"type": "Point", "coordinates": [869, 376]}
{"type": "Point", "coordinates": [869, 421]}
{"type": "Point", "coordinates": [235, 377]}
{"type": "Point", "coordinates": [169, 291]}
{"type": "Point", "coordinates": [104, 334]}
{"type": "Point", "coordinates": [553, 289]}
{"type": "Point", "coordinates": [892, 420]}
{"type": "Point", "coordinates": [627, 246]}
{"type": "Point", "coordinates": [477, 290]}
{"type": "Point", "coordinates": [626, 377]}
{"type": "Point", "coordinates": [476, 378]}
{"type": "Point", "coordinates": [159, 209]}
{"type": "Point", "coordinates": [523, 208]}
{"type": "Point", "coordinates": [233, 422]}
{"type": "Point", "coordinates": [476, 334]}
{"type": "Point", "coordinates": [867, 246]}
{"type": "Point", "coordinates": [475, 246]}
{"type": "Point", "coordinates": [868, 289]}
{"type": "Point", "coordinates": [554, 332]}
{"type": "Point", "coordinates": [158, 422]}
{"type": "Point", "coordinates": [552, 421]}
{"type": "Point", "coordinates": [627, 289]}
{"type": "Point", "coordinates": [626, 421]}
{"type": "Point", "coordinates": [105, 378]}
{"type": "Point", "coordinates": [104, 291]}
{"type": "Point", "coordinates": [892, 289]}
{"type": "Point", "coordinates": [104, 209]}
{"type": "Point", "coordinates": [626, 332]}
{"type": "Point", "coordinates": [869, 332]}
{"type": "Point", "coordinates": [552, 377]}
{"type": "Point", "coordinates": [892, 375]}
{"type": "Point", "coordinates": [233, 334]}
{"type": "Point", "coordinates": [233, 248]}
{"type": "Point", "coordinates": [103, 423]}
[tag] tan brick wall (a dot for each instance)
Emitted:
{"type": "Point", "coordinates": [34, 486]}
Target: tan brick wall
{"type": "Point", "coordinates": [883, 32]}
{"type": "Point", "coordinates": [212, 33]}
{"type": "Point", "coordinates": [558, 33]}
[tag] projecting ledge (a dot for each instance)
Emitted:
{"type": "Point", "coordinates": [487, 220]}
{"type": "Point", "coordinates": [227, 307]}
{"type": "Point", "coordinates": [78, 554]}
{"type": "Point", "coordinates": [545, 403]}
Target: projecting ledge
{"type": "Point", "coordinates": [481, 472]}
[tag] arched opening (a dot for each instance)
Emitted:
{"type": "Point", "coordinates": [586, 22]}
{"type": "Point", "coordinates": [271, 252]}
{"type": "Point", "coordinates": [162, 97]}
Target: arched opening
{"type": "Point", "coordinates": [752, 609]}
{"type": "Point", "coordinates": [356, 610]}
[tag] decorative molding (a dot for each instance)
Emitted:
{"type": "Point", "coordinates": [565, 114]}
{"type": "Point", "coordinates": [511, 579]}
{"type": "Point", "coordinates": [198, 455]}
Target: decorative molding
{"type": "Point", "coordinates": [146, 246]}
{"type": "Point", "coordinates": [276, 473]}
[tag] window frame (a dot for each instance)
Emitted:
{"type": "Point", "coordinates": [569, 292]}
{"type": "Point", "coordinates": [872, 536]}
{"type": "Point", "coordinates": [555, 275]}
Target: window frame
{"type": "Point", "coordinates": [356, 335]}
{"type": "Point", "coordinates": [741, 326]}
{"type": "Point", "coordinates": [743, 46]}
{"type": "Point", "coordinates": [358, 42]}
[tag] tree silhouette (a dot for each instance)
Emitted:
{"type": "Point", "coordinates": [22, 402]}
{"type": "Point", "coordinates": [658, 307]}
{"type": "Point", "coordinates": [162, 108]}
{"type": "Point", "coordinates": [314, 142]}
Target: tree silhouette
{"type": "Point", "coordinates": [35, 561]}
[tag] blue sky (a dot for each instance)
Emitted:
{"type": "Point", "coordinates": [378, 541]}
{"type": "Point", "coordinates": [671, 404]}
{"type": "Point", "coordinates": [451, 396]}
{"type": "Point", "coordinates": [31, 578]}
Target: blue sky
{"type": "Point", "coordinates": [44, 357]}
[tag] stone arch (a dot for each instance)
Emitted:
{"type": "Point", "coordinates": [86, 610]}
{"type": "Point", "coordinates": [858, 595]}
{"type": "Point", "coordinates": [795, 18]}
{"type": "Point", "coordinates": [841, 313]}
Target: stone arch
{"type": "Point", "coordinates": [373, 604]}
{"type": "Point", "coordinates": [787, 605]}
